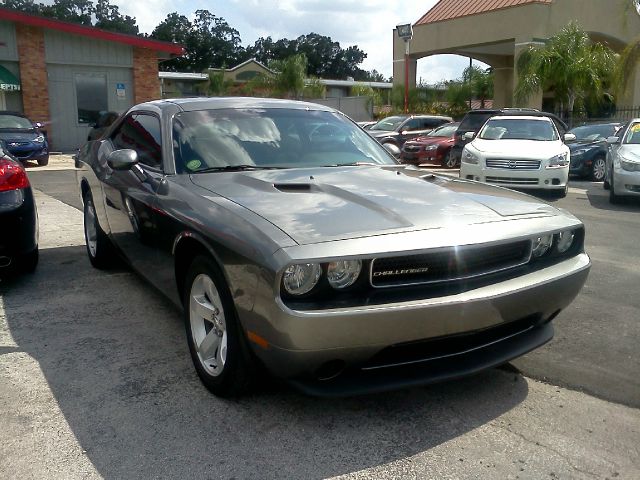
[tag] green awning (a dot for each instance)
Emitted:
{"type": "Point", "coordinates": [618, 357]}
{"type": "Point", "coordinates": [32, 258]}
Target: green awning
{"type": "Point", "coordinates": [8, 81]}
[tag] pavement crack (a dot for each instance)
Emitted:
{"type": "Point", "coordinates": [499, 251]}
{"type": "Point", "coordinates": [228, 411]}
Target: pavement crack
{"type": "Point", "coordinates": [550, 449]}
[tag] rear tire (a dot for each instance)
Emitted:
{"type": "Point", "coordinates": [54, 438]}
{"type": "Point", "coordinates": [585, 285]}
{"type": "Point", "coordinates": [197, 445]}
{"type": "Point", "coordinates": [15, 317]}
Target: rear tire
{"type": "Point", "coordinates": [29, 262]}
{"type": "Point", "coordinates": [99, 248]}
{"type": "Point", "coordinates": [216, 341]}
{"type": "Point", "coordinates": [43, 162]}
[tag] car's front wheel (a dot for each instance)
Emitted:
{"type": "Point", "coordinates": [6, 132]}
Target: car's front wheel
{"type": "Point", "coordinates": [216, 341]}
{"type": "Point", "coordinates": [98, 245]}
{"type": "Point", "coordinates": [613, 197]}
{"type": "Point", "coordinates": [43, 161]}
{"type": "Point", "coordinates": [598, 169]}
{"type": "Point", "coordinates": [450, 160]}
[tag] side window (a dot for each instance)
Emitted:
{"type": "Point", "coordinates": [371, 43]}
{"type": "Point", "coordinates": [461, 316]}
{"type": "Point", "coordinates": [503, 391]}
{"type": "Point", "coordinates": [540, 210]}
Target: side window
{"type": "Point", "coordinates": [141, 132]}
{"type": "Point", "coordinates": [413, 124]}
{"type": "Point", "coordinates": [560, 127]}
{"type": "Point", "coordinates": [431, 123]}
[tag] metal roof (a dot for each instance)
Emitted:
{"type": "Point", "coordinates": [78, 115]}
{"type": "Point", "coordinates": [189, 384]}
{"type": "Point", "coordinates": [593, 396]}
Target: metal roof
{"type": "Point", "coordinates": [450, 9]}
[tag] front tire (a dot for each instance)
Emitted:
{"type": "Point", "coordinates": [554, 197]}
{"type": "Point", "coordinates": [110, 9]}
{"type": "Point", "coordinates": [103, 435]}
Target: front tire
{"type": "Point", "coordinates": [98, 245]}
{"type": "Point", "coordinates": [216, 341]}
{"type": "Point", "coordinates": [613, 198]}
{"type": "Point", "coordinates": [44, 161]}
{"type": "Point", "coordinates": [598, 169]}
{"type": "Point", "coordinates": [450, 160]}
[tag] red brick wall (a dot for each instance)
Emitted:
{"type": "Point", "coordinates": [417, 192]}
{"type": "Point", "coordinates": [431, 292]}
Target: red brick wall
{"type": "Point", "coordinates": [33, 74]}
{"type": "Point", "coordinates": [146, 84]}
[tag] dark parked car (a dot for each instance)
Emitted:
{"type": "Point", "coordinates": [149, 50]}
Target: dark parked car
{"type": "Point", "coordinates": [18, 218]}
{"type": "Point", "coordinates": [589, 151]}
{"type": "Point", "coordinates": [104, 121]}
{"type": "Point", "coordinates": [290, 238]}
{"type": "Point", "coordinates": [475, 119]}
{"type": "Point", "coordinates": [434, 147]}
{"type": "Point", "coordinates": [399, 128]}
{"type": "Point", "coordinates": [23, 138]}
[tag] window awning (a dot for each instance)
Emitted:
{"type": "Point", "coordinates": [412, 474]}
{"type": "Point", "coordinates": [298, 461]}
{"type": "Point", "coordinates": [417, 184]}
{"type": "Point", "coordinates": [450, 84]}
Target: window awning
{"type": "Point", "coordinates": [8, 81]}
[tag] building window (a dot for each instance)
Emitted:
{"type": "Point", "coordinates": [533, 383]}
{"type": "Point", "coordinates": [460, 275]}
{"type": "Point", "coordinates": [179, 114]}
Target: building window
{"type": "Point", "coordinates": [91, 96]}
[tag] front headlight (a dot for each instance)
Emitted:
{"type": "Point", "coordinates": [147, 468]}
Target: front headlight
{"type": "Point", "coordinates": [468, 157]}
{"type": "Point", "coordinates": [431, 147]}
{"type": "Point", "coordinates": [565, 240]}
{"type": "Point", "coordinates": [630, 166]}
{"type": "Point", "coordinates": [541, 245]}
{"type": "Point", "coordinates": [301, 278]}
{"type": "Point", "coordinates": [344, 273]}
{"type": "Point", "coordinates": [559, 161]}
{"type": "Point", "coordinates": [578, 152]}
{"type": "Point", "coordinates": [39, 139]}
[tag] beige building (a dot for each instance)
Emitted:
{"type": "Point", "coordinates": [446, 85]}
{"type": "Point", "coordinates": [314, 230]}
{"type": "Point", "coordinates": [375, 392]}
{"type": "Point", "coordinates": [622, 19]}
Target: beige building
{"type": "Point", "coordinates": [495, 31]}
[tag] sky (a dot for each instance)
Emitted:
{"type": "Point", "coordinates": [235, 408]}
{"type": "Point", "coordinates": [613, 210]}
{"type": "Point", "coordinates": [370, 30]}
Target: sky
{"type": "Point", "coordinates": [366, 23]}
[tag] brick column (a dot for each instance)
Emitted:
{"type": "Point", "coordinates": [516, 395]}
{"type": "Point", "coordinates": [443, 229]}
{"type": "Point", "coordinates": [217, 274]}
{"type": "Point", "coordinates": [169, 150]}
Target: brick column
{"type": "Point", "coordinates": [146, 84]}
{"type": "Point", "coordinates": [33, 74]}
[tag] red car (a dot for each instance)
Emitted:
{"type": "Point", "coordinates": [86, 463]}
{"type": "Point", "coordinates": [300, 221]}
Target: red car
{"type": "Point", "coordinates": [433, 148]}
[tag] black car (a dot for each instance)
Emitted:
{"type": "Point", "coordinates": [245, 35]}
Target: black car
{"type": "Point", "coordinates": [399, 128]}
{"type": "Point", "coordinates": [23, 138]}
{"type": "Point", "coordinates": [104, 121]}
{"type": "Point", "coordinates": [18, 218]}
{"type": "Point", "coordinates": [474, 119]}
{"type": "Point", "coordinates": [589, 151]}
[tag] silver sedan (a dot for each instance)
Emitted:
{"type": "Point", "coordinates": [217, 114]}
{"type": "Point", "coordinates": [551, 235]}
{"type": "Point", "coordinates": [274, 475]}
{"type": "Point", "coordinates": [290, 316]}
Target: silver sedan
{"type": "Point", "coordinates": [623, 163]}
{"type": "Point", "coordinates": [295, 242]}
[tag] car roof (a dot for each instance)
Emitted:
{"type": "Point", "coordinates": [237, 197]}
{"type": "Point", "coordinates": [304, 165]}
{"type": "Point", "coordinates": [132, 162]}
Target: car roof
{"type": "Point", "coordinates": [15, 114]}
{"type": "Point", "coordinates": [522, 117]}
{"type": "Point", "coordinates": [208, 103]}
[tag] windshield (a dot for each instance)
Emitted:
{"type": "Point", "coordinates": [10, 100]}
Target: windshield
{"type": "Point", "coordinates": [594, 133]}
{"type": "Point", "coordinates": [518, 129]}
{"type": "Point", "coordinates": [389, 124]}
{"type": "Point", "coordinates": [15, 121]}
{"type": "Point", "coordinates": [270, 138]}
{"type": "Point", "coordinates": [444, 131]}
{"type": "Point", "coordinates": [633, 135]}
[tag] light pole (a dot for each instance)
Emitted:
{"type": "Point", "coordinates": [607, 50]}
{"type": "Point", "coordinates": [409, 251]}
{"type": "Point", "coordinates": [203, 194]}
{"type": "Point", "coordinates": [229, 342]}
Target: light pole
{"type": "Point", "coordinates": [405, 32]}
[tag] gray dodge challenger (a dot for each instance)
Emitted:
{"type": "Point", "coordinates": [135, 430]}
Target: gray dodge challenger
{"type": "Point", "coordinates": [295, 244]}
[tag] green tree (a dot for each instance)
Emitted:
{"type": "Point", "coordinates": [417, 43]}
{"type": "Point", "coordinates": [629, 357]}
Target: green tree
{"type": "Point", "coordinates": [290, 76]}
{"type": "Point", "coordinates": [209, 41]}
{"type": "Point", "coordinates": [569, 64]}
{"type": "Point", "coordinates": [109, 17]}
{"type": "Point", "coordinates": [217, 85]}
{"type": "Point", "coordinates": [480, 82]}
{"type": "Point", "coordinates": [75, 11]}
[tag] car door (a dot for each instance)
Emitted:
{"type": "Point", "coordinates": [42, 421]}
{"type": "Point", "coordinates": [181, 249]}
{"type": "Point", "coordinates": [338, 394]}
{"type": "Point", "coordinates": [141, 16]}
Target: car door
{"type": "Point", "coordinates": [130, 195]}
{"type": "Point", "coordinates": [410, 129]}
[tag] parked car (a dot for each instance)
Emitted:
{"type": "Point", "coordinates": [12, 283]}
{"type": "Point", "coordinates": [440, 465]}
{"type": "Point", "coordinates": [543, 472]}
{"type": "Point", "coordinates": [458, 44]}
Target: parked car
{"type": "Point", "coordinates": [434, 147]}
{"type": "Point", "coordinates": [18, 218]}
{"type": "Point", "coordinates": [316, 254]}
{"type": "Point", "coordinates": [589, 151]}
{"type": "Point", "coordinates": [475, 119]}
{"type": "Point", "coordinates": [104, 121]}
{"type": "Point", "coordinates": [399, 128]}
{"type": "Point", "coordinates": [23, 138]}
{"type": "Point", "coordinates": [524, 152]}
{"type": "Point", "coordinates": [623, 163]}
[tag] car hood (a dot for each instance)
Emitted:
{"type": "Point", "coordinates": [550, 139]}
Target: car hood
{"type": "Point", "coordinates": [578, 145]}
{"type": "Point", "coordinates": [19, 135]}
{"type": "Point", "coordinates": [521, 148]}
{"type": "Point", "coordinates": [322, 204]}
{"type": "Point", "coordinates": [430, 140]}
{"type": "Point", "coordinates": [630, 152]}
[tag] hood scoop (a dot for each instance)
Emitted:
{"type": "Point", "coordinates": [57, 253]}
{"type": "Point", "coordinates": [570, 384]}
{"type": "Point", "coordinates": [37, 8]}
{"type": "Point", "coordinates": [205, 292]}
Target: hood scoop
{"type": "Point", "coordinates": [293, 187]}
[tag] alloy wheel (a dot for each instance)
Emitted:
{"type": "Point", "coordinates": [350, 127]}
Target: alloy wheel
{"type": "Point", "coordinates": [208, 326]}
{"type": "Point", "coordinates": [90, 230]}
{"type": "Point", "coordinates": [598, 170]}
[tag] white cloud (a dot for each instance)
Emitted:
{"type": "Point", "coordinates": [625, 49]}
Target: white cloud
{"type": "Point", "coordinates": [368, 24]}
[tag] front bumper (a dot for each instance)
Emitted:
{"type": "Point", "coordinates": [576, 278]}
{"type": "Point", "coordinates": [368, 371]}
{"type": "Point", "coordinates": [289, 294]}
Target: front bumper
{"type": "Point", "coordinates": [423, 156]}
{"type": "Point", "coordinates": [542, 178]}
{"type": "Point", "coordinates": [33, 151]}
{"type": "Point", "coordinates": [306, 345]}
{"type": "Point", "coordinates": [626, 183]}
{"type": "Point", "coordinates": [580, 165]}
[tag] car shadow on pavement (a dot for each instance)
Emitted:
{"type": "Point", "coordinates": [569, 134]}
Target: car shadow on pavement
{"type": "Point", "coordinates": [630, 204]}
{"type": "Point", "coordinates": [113, 353]}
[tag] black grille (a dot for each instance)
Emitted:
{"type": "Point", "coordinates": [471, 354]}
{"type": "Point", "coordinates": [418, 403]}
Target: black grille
{"type": "Point", "coordinates": [444, 265]}
{"type": "Point", "coordinates": [411, 148]}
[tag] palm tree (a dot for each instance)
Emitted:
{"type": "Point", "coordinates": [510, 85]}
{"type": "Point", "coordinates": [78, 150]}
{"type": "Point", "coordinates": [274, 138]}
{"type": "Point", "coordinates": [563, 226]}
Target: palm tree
{"type": "Point", "coordinates": [569, 64]}
{"type": "Point", "coordinates": [627, 63]}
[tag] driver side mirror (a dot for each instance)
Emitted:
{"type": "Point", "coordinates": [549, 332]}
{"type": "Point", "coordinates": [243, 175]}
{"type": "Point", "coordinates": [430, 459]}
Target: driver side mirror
{"type": "Point", "coordinates": [38, 125]}
{"type": "Point", "coordinates": [613, 140]}
{"type": "Point", "coordinates": [122, 159]}
{"type": "Point", "coordinates": [392, 149]}
{"type": "Point", "coordinates": [570, 137]}
{"type": "Point", "coordinates": [468, 135]}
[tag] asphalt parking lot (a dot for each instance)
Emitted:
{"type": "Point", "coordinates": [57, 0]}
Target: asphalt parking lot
{"type": "Point", "coordinates": [96, 382]}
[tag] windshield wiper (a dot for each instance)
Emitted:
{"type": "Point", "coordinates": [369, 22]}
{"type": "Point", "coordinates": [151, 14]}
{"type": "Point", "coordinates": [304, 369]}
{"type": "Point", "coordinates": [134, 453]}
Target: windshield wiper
{"type": "Point", "coordinates": [235, 168]}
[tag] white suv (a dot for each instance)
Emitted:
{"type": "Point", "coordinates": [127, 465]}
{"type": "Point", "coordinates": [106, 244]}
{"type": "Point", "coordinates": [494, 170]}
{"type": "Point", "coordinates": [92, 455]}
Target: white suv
{"type": "Point", "coordinates": [524, 152]}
